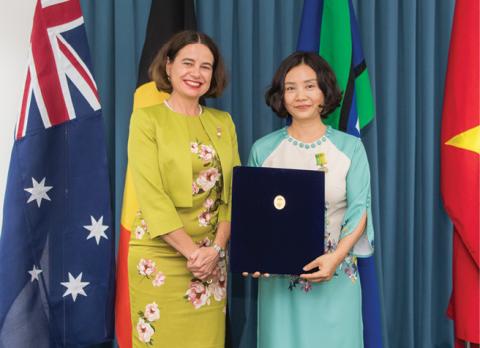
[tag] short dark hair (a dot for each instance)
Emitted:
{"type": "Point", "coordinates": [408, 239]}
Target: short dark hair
{"type": "Point", "coordinates": [157, 70]}
{"type": "Point", "coordinates": [326, 80]}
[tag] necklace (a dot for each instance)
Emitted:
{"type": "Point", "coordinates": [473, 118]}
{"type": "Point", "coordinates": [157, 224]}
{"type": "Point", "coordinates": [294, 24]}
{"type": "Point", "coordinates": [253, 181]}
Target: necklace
{"type": "Point", "coordinates": [305, 145]}
{"type": "Point", "coordinates": [200, 110]}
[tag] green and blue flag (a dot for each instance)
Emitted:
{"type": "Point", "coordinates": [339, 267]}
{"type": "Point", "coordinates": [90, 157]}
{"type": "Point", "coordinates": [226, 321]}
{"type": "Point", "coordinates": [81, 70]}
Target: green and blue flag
{"type": "Point", "coordinates": [330, 28]}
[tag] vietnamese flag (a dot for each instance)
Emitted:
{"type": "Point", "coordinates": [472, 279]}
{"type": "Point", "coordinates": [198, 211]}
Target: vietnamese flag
{"type": "Point", "coordinates": [460, 151]}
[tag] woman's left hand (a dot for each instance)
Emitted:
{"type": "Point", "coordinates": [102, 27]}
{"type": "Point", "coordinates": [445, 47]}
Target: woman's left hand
{"type": "Point", "coordinates": [202, 262]}
{"type": "Point", "coordinates": [327, 265]}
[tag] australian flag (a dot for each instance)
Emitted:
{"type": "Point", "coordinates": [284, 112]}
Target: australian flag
{"type": "Point", "coordinates": [57, 241]}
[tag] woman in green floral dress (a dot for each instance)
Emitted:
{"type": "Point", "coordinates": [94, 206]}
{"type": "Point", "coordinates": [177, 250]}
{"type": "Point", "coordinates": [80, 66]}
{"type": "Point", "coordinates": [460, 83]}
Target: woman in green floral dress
{"type": "Point", "coordinates": [181, 157]}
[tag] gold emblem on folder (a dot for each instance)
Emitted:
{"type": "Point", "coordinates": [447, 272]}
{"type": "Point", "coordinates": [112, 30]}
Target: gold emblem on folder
{"type": "Point", "coordinates": [279, 202]}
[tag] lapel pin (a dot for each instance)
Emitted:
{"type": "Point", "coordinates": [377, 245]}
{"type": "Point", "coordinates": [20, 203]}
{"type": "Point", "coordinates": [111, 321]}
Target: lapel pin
{"type": "Point", "coordinates": [321, 161]}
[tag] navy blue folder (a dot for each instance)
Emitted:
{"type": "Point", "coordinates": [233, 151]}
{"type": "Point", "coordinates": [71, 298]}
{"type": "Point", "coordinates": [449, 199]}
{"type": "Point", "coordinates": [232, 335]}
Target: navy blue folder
{"type": "Point", "coordinates": [277, 219]}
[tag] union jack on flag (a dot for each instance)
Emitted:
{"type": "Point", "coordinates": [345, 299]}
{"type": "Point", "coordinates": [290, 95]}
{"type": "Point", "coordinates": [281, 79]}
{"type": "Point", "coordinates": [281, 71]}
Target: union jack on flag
{"type": "Point", "coordinates": [58, 44]}
{"type": "Point", "coordinates": [57, 241]}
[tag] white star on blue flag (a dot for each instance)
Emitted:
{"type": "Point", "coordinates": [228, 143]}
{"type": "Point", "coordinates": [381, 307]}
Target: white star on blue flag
{"type": "Point", "coordinates": [35, 272]}
{"type": "Point", "coordinates": [74, 286]}
{"type": "Point", "coordinates": [38, 191]}
{"type": "Point", "coordinates": [97, 229]}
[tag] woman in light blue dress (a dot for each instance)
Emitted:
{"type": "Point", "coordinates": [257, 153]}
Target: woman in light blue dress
{"type": "Point", "coordinates": [323, 308]}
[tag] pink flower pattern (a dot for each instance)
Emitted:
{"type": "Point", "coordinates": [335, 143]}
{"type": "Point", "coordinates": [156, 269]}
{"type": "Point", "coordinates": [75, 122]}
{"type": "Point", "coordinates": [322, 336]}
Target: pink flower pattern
{"type": "Point", "coordinates": [208, 204]}
{"type": "Point", "coordinates": [159, 279]}
{"type": "Point", "coordinates": [145, 328]}
{"type": "Point", "coordinates": [204, 218]}
{"type": "Point", "coordinates": [199, 293]}
{"type": "Point", "coordinates": [209, 181]}
{"type": "Point", "coordinates": [350, 268]}
{"type": "Point", "coordinates": [146, 267]}
{"type": "Point", "coordinates": [139, 226]}
{"type": "Point", "coordinates": [152, 312]}
{"type": "Point", "coordinates": [195, 188]}
{"type": "Point", "coordinates": [208, 178]}
{"type": "Point", "coordinates": [219, 289]}
{"type": "Point", "coordinates": [304, 285]}
{"type": "Point", "coordinates": [194, 147]}
{"type": "Point", "coordinates": [145, 331]}
{"type": "Point", "coordinates": [206, 153]}
{"type": "Point", "coordinates": [139, 232]}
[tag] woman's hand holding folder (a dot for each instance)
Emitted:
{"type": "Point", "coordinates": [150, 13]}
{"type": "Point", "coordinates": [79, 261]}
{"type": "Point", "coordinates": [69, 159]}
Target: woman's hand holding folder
{"type": "Point", "coordinates": [256, 274]}
{"type": "Point", "coordinates": [326, 265]}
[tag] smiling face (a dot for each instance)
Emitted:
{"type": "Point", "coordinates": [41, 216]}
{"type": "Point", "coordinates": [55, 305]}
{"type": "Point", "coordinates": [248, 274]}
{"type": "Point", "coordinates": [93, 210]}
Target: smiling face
{"type": "Point", "coordinates": [302, 96]}
{"type": "Point", "coordinates": [191, 71]}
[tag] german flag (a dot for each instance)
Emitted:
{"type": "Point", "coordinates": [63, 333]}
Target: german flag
{"type": "Point", "coordinates": [460, 174]}
{"type": "Point", "coordinates": [166, 18]}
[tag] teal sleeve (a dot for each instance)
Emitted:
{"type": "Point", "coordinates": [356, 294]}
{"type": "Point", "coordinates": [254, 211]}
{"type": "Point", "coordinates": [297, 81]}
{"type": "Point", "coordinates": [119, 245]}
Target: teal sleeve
{"type": "Point", "coordinates": [263, 147]}
{"type": "Point", "coordinates": [253, 160]}
{"type": "Point", "coordinates": [358, 202]}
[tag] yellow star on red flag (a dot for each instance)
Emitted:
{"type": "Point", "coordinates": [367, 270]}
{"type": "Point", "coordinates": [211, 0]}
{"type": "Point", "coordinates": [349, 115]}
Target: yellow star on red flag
{"type": "Point", "coordinates": [468, 140]}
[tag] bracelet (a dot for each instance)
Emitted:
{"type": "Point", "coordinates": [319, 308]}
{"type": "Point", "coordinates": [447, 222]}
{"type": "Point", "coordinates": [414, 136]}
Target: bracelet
{"type": "Point", "coordinates": [219, 250]}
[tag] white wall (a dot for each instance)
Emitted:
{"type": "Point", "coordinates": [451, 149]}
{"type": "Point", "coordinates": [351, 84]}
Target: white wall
{"type": "Point", "coordinates": [15, 25]}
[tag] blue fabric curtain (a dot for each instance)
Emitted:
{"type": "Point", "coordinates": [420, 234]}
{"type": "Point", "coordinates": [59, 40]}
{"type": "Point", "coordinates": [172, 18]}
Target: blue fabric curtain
{"type": "Point", "coordinates": [406, 46]}
{"type": "Point", "coordinates": [116, 32]}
